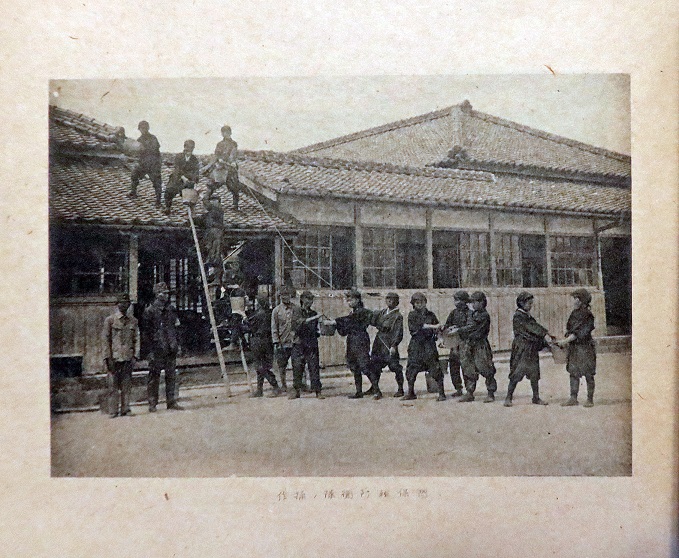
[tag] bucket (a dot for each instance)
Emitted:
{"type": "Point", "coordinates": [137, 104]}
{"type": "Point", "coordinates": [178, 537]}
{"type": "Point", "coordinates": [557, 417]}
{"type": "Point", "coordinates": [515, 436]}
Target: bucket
{"type": "Point", "coordinates": [327, 329]}
{"type": "Point", "coordinates": [559, 355]}
{"type": "Point", "coordinates": [189, 196]}
{"type": "Point", "coordinates": [449, 340]}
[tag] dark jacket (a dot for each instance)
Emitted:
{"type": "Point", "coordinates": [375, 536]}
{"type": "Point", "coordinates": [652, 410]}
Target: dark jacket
{"type": "Point", "coordinates": [149, 151]}
{"type": "Point", "coordinates": [306, 333]}
{"type": "Point", "coordinates": [458, 317]}
{"type": "Point", "coordinates": [389, 325]}
{"type": "Point", "coordinates": [477, 328]}
{"type": "Point", "coordinates": [422, 341]}
{"type": "Point", "coordinates": [529, 339]}
{"type": "Point", "coordinates": [581, 351]}
{"type": "Point", "coordinates": [355, 327]}
{"type": "Point", "coordinates": [160, 324]}
{"type": "Point", "coordinates": [476, 356]}
{"type": "Point", "coordinates": [259, 324]}
{"type": "Point", "coordinates": [189, 169]}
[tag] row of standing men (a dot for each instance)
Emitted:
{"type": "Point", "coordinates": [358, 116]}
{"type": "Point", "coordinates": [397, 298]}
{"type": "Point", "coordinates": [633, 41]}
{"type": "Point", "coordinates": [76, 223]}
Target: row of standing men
{"type": "Point", "coordinates": [291, 332]}
{"type": "Point", "coordinates": [295, 330]}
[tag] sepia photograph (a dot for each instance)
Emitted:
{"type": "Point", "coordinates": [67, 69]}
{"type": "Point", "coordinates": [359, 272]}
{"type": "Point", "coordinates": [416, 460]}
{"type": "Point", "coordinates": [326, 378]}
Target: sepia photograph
{"type": "Point", "coordinates": [358, 276]}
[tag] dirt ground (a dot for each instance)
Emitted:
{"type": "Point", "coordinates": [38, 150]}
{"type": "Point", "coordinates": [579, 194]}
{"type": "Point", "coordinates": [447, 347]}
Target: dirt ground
{"type": "Point", "coordinates": [220, 437]}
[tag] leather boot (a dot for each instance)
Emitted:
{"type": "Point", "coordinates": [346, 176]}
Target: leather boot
{"type": "Point", "coordinates": [411, 393]}
{"type": "Point", "coordinates": [536, 393]}
{"type": "Point", "coordinates": [575, 386]}
{"type": "Point", "coordinates": [590, 392]}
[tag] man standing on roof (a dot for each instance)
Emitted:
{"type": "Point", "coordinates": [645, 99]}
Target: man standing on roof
{"type": "Point", "coordinates": [184, 175]}
{"type": "Point", "coordinates": [225, 166]}
{"type": "Point", "coordinates": [149, 162]}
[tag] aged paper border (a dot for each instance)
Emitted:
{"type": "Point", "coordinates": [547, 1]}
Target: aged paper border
{"type": "Point", "coordinates": [241, 517]}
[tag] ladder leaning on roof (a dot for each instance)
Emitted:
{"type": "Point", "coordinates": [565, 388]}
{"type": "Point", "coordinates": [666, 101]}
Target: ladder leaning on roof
{"type": "Point", "coordinates": [220, 355]}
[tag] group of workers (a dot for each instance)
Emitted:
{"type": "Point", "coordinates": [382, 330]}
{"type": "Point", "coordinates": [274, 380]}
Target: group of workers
{"type": "Point", "coordinates": [295, 331]}
{"type": "Point", "coordinates": [290, 332]}
{"type": "Point", "coordinates": [186, 170]}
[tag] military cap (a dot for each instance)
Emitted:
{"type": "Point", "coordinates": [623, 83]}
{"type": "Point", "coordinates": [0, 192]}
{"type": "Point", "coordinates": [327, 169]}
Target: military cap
{"type": "Point", "coordinates": [354, 293]}
{"type": "Point", "coordinates": [523, 297]}
{"type": "Point", "coordinates": [583, 296]}
{"type": "Point", "coordinates": [461, 295]}
{"type": "Point", "coordinates": [418, 296]}
{"type": "Point", "coordinates": [288, 290]}
{"type": "Point", "coordinates": [392, 295]}
{"type": "Point", "coordinates": [307, 294]}
{"type": "Point", "coordinates": [160, 288]}
{"type": "Point", "coordinates": [478, 295]}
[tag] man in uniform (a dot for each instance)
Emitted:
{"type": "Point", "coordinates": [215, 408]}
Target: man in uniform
{"type": "Point", "coordinates": [259, 325]}
{"type": "Point", "coordinates": [389, 324]}
{"type": "Point", "coordinates": [422, 352]}
{"type": "Point", "coordinates": [160, 320]}
{"type": "Point", "coordinates": [476, 355]}
{"type": "Point", "coordinates": [456, 319]}
{"type": "Point", "coordinates": [149, 162]}
{"type": "Point", "coordinates": [185, 174]}
{"type": "Point", "coordinates": [305, 346]}
{"type": "Point", "coordinates": [121, 347]}
{"type": "Point", "coordinates": [282, 333]}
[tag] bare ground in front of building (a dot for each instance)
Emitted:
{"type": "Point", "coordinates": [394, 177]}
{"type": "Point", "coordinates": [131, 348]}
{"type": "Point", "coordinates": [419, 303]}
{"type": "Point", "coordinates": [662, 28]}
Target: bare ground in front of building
{"type": "Point", "coordinates": [220, 437]}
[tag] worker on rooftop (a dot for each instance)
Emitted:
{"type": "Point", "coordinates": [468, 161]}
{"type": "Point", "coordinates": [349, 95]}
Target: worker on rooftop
{"type": "Point", "coordinates": [149, 162]}
{"type": "Point", "coordinates": [225, 166]}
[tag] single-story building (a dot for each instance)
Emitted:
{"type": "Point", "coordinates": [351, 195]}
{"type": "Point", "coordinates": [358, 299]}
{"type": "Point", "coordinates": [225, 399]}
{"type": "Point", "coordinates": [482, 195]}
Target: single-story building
{"type": "Point", "coordinates": [103, 243]}
{"type": "Point", "coordinates": [455, 199]}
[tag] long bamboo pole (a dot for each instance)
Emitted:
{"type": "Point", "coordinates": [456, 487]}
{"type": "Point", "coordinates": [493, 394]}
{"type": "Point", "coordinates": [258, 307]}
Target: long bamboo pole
{"type": "Point", "coordinates": [213, 322]}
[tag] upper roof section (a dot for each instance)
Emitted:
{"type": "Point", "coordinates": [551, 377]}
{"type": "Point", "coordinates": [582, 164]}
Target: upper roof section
{"type": "Point", "coordinates": [89, 185]}
{"type": "Point", "coordinates": [296, 174]}
{"type": "Point", "coordinates": [70, 131]}
{"type": "Point", "coordinates": [461, 137]}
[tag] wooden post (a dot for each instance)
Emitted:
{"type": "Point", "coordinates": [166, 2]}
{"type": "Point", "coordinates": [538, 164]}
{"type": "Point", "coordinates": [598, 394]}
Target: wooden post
{"type": "Point", "coordinates": [278, 265]}
{"type": "Point", "coordinates": [429, 243]}
{"type": "Point", "coordinates": [548, 242]}
{"type": "Point", "coordinates": [358, 245]}
{"type": "Point", "coordinates": [208, 302]}
{"type": "Point", "coordinates": [133, 273]}
{"type": "Point", "coordinates": [597, 243]}
{"type": "Point", "coordinates": [493, 250]}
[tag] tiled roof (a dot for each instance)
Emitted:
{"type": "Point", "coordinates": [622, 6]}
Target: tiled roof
{"type": "Point", "coordinates": [427, 140]}
{"type": "Point", "coordinates": [86, 189]}
{"type": "Point", "coordinates": [94, 191]}
{"type": "Point", "coordinates": [304, 175]}
{"type": "Point", "coordinates": [70, 130]}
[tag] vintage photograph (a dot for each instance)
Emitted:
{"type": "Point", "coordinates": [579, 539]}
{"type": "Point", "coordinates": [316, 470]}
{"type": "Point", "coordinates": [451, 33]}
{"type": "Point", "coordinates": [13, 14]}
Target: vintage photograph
{"type": "Point", "coordinates": [386, 276]}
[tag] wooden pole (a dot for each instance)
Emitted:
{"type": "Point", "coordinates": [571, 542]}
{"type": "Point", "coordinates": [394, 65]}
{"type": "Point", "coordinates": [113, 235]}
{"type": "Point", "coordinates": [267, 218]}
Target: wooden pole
{"type": "Point", "coordinates": [211, 313]}
{"type": "Point", "coordinates": [246, 367]}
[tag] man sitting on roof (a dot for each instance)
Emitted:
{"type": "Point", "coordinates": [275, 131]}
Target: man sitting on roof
{"type": "Point", "coordinates": [225, 166]}
{"type": "Point", "coordinates": [149, 162]}
{"type": "Point", "coordinates": [185, 174]}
